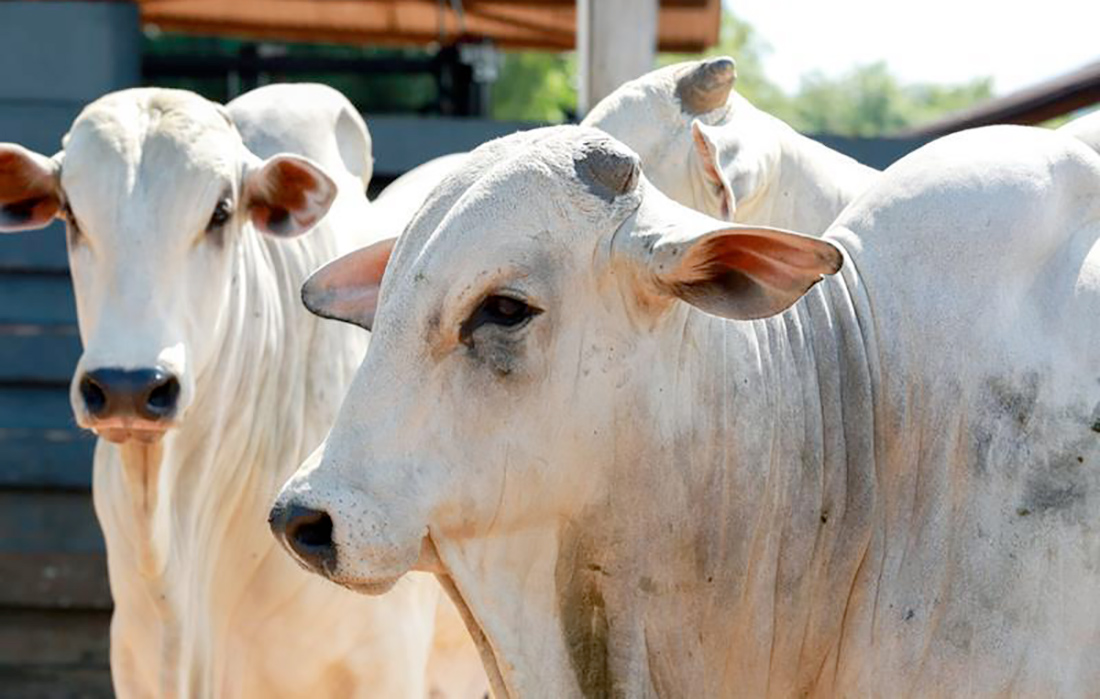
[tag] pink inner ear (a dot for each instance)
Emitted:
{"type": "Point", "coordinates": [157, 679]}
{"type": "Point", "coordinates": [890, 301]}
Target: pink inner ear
{"type": "Point", "coordinates": [288, 186]}
{"type": "Point", "coordinates": [22, 180]}
{"type": "Point", "coordinates": [775, 263]}
{"type": "Point", "coordinates": [28, 192]}
{"type": "Point", "coordinates": [347, 288]}
{"type": "Point", "coordinates": [706, 154]}
{"type": "Point", "coordinates": [364, 267]}
{"type": "Point", "coordinates": [284, 197]}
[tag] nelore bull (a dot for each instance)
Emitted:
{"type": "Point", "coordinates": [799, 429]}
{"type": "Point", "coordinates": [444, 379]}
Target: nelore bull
{"type": "Point", "coordinates": [650, 453]}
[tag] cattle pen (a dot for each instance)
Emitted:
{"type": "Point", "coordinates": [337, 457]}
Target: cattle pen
{"type": "Point", "coordinates": [55, 601]}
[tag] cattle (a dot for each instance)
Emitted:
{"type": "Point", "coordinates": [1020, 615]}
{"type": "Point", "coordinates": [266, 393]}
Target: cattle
{"type": "Point", "coordinates": [185, 225]}
{"type": "Point", "coordinates": [708, 148]}
{"type": "Point", "coordinates": [1086, 128]}
{"type": "Point", "coordinates": [652, 453]}
{"type": "Point", "coordinates": [402, 198]}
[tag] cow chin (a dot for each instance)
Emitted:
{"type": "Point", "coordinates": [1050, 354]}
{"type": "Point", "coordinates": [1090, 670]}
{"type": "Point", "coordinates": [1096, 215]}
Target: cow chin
{"type": "Point", "coordinates": [372, 570]}
{"type": "Point", "coordinates": [373, 588]}
{"type": "Point", "coordinates": [427, 562]}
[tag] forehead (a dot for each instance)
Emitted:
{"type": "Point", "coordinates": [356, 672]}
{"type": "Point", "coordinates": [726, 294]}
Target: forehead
{"type": "Point", "coordinates": [513, 207]}
{"type": "Point", "coordinates": [143, 141]}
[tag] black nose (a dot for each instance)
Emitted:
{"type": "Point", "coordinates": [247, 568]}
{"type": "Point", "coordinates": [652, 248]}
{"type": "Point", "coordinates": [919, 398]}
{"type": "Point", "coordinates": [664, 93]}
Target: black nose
{"type": "Point", "coordinates": [307, 533]}
{"type": "Point", "coordinates": [149, 394]}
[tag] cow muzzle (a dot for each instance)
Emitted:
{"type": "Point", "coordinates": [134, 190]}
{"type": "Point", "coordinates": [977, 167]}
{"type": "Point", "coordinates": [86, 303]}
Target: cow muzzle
{"type": "Point", "coordinates": [123, 404]}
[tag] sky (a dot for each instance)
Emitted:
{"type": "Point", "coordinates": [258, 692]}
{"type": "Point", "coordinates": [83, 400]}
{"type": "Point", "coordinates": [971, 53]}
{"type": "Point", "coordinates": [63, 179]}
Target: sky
{"type": "Point", "coordinates": [943, 41]}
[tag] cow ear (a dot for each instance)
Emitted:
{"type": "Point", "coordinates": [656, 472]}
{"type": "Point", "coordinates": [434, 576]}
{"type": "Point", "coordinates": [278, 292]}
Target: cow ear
{"type": "Point", "coordinates": [742, 272]}
{"type": "Point", "coordinates": [30, 189]}
{"type": "Point", "coordinates": [729, 270]}
{"type": "Point", "coordinates": [347, 288]}
{"type": "Point", "coordinates": [287, 195]}
{"type": "Point", "coordinates": [718, 185]}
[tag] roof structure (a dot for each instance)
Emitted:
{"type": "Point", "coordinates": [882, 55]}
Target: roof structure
{"type": "Point", "coordinates": [1032, 105]}
{"type": "Point", "coordinates": [683, 25]}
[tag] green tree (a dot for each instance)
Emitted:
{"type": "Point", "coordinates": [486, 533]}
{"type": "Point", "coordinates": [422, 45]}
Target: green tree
{"type": "Point", "coordinates": [866, 101]}
{"type": "Point", "coordinates": [535, 86]}
{"type": "Point", "coordinates": [870, 101]}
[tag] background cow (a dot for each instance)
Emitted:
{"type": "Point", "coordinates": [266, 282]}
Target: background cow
{"type": "Point", "coordinates": [186, 263]}
{"type": "Point", "coordinates": [643, 472]}
{"type": "Point", "coordinates": [705, 146]}
{"type": "Point", "coordinates": [1086, 128]}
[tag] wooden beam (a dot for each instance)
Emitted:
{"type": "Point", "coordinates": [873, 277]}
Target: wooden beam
{"type": "Point", "coordinates": [685, 25]}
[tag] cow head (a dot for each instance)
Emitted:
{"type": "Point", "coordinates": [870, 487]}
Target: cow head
{"type": "Point", "coordinates": [159, 197]}
{"type": "Point", "coordinates": [512, 349]}
{"type": "Point", "coordinates": [700, 142]}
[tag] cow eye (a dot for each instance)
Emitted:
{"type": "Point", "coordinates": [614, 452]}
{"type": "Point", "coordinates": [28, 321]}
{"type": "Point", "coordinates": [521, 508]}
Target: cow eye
{"type": "Point", "coordinates": [223, 211]}
{"type": "Point", "coordinates": [504, 311]}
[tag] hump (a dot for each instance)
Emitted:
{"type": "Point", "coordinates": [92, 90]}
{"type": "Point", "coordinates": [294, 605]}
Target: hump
{"type": "Point", "coordinates": [999, 177]}
{"type": "Point", "coordinates": [975, 210]}
{"type": "Point", "coordinates": [1086, 128]}
{"type": "Point", "coordinates": [306, 119]}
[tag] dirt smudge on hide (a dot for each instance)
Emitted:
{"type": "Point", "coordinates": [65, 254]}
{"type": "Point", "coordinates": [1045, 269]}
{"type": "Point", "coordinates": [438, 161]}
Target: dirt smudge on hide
{"type": "Point", "coordinates": [1001, 398]}
{"type": "Point", "coordinates": [1094, 422]}
{"type": "Point", "coordinates": [1016, 399]}
{"type": "Point", "coordinates": [578, 577]}
{"type": "Point", "coordinates": [1055, 487]}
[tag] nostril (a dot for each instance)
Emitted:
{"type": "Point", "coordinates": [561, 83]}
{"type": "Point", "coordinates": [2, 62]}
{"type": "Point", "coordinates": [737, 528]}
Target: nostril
{"type": "Point", "coordinates": [314, 533]}
{"type": "Point", "coordinates": [308, 533]}
{"type": "Point", "coordinates": [161, 400]}
{"type": "Point", "coordinates": [93, 395]}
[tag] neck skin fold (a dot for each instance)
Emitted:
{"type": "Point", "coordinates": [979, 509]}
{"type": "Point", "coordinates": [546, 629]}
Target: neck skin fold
{"type": "Point", "coordinates": [738, 491]}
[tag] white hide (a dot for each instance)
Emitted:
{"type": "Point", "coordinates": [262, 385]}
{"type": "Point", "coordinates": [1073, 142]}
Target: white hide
{"type": "Point", "coordinates": [403, 197]}
{"type": "Point", "coordinates": [205, 604]}
{"type": "Point", "coordinates": [891, 488]}
{"type": "Point", "coordinates": [731, 161]}
{"type": "Point", "coordinates": [1086, 128]}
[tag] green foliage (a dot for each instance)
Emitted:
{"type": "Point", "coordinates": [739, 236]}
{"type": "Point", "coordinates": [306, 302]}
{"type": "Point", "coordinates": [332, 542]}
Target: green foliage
{"type": "Point", "coordinates": [373, 93]}
{"type": "Point", "coordinates": [535, 86]}
{"type": "Point", "coordinates": [865, 101]}
{"type": "Point", "coordinates": [869, 101]}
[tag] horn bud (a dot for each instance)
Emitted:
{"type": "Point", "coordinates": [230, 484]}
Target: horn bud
{"type": "Point", "coordinates": [607, 167]}
{"type": "Point", "coordinates": [706, 85]}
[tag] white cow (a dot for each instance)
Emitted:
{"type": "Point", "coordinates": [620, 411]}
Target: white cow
{"type": "Point", "coordinates": [186, 268]}
{"type": "Point", "coordinates": [707, 147]}
{"type": "Point", "coordinates": [1086, 128]}
{"type": "Point", "coordinates": [402, 198]}
{"type": "Point", "coordinates": [650, 457]}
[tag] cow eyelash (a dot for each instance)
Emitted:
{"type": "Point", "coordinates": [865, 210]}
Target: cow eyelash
{"type": "Point", "coordinates": [223, 211]}
{"type": "Point", "coordinates": [497, 309]}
